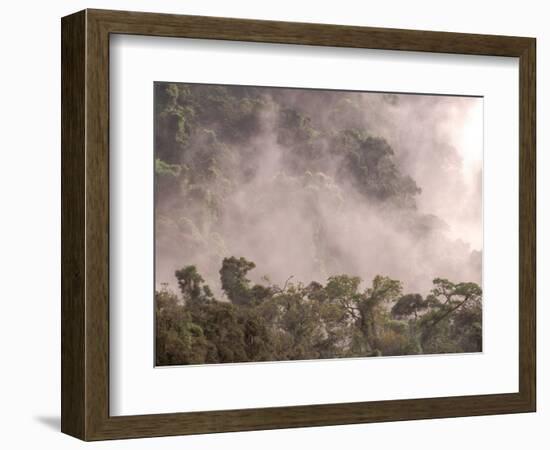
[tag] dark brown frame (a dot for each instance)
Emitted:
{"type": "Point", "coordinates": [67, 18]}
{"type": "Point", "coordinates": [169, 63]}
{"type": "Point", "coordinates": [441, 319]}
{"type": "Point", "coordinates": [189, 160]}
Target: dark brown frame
{"type": "Point", "coordinates": [85, 224]}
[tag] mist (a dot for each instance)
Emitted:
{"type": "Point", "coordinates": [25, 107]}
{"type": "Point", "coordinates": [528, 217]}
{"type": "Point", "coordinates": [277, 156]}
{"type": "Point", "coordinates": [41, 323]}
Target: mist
{"type": "Point", "coordinates": [308, 184]}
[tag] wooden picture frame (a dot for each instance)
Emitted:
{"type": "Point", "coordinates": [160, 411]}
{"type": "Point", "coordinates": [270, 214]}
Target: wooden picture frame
{"type": "Point", "coordinates": [85, 224]}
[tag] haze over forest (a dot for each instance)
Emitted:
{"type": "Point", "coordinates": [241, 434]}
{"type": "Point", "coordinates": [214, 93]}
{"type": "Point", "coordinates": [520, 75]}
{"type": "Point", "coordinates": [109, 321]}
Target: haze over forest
{"type": "Point", "coordinates": [297, 224]}
{"type": "Point", "coordinates": [310, 183]}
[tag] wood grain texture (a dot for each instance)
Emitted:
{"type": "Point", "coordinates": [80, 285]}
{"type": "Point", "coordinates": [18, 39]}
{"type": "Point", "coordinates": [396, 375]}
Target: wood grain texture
{"type": "Point", "coordinates": [527, 224]}
{"type": "Point", "coordinates": [151, 24]}
{"type": "Point", "coordinates": [85, 224]}
{"type": "Point", "coordinates": [73, 226]}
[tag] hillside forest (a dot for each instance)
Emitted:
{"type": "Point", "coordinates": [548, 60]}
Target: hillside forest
{"type": "Point", "coordinates": [296, 224]}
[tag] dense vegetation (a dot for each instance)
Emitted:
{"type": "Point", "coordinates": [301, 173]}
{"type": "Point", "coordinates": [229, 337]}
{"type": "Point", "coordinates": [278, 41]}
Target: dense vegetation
{"type": "Point", "coordinates": [297, 321]}
{"type": "Point", "coordinates": [281, 172]}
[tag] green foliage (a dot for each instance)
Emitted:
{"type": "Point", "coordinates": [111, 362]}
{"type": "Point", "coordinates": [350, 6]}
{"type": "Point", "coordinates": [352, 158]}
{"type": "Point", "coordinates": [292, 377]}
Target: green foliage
{"type": "Point", "coordinates": [179, 340]}
{"type": "Point", "coordinates": [192, 286]}
{"type": "Point", "coordinates": [339, 319]}
{"type": "Point", "coordinates": [408, 305]}
{"type": "Point", "coordinates": [453, 321]}
{"type": "Point", "coordinates": [370, 161]}
{"type": "Point", "coordinates": [163, 168]}
{"type": "Point", "coordinates": [234, 281]}
{"type": "Point", "coordinates": [210, 141]}
{"type": "Point", "coordinates": [210, 131]}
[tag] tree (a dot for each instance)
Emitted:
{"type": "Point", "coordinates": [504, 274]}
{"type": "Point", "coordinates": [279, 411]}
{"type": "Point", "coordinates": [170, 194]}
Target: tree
{"type": "Point", "coordinates": [192, 286]}
{"type": "Point", "coordinates": [234, 282]}
{"type": "Point", "coordinates": [449, 301]}
{"type": "Point", "coordinates": [297, 321]}
{"type": "Point", "coordinates": [409, 305]}
{"type": "Point", "coordinates": [373, 310]}
{"type": "Point", "coordinates": [178, 339]}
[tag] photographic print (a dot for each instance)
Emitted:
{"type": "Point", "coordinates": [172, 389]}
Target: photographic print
{"type": "Point", "coordinates": [303, 224]}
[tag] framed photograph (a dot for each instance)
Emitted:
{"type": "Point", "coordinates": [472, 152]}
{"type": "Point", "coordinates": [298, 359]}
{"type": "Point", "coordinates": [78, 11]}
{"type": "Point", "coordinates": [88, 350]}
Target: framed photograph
{"type": "Point", "coordinates": [272, 225]}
